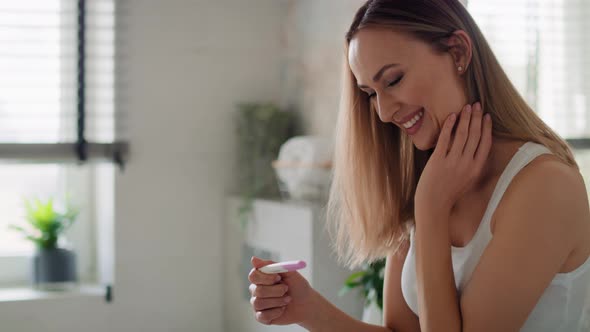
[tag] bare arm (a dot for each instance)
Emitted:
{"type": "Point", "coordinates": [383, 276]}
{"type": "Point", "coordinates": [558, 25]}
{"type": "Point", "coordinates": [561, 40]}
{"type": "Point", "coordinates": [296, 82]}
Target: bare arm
{"type": "Point", "coordinates": [532, 239]}
{"type": "Point", "coordinates": [398, 316]}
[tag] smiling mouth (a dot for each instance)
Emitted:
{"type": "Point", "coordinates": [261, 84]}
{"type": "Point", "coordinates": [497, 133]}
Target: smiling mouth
{"type": "Point", "coordinates": [413, 125]}
{"type": "Point", "coordinates": [417, 116]}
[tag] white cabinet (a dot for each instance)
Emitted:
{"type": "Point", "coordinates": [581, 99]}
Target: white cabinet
{"type": "Point", "coordinates": [280, 231]}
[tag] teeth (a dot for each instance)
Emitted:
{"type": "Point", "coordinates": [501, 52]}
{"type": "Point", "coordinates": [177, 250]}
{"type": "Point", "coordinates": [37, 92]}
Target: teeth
{"type": "Point", "coordinates": [412, 122]}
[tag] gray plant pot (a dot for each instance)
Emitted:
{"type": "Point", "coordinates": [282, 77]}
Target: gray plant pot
{"type": "Point", "coordinates": [54, 268]}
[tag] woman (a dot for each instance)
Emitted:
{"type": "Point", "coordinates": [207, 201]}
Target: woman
{"type": "Point", "coordinates": [485, 227]}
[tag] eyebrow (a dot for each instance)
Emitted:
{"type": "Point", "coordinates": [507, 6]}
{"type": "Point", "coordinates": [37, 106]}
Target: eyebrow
{"type": "Point", "coordinates": [377, 76]}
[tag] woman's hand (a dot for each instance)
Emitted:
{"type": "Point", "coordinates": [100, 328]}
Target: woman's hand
{"type": "Point", "coordinates": [456, 164]}
{"type": "Point", "coordinates": [288, 300]}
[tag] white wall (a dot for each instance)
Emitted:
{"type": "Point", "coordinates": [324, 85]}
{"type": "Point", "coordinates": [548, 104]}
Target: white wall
{"type": "Point", "coordinates": [317, 37]}
{"type": "Point", "coordinates": [185, 65]}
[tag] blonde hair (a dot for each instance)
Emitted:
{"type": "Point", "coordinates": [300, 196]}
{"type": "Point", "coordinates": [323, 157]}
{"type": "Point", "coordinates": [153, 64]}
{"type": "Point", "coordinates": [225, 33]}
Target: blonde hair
{"type": "Point", "coordinates": [376, 166]}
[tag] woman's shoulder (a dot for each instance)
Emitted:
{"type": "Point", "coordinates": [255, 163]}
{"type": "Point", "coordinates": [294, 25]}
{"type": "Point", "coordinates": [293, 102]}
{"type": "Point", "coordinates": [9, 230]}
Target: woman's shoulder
{"type": "Point", "coordinates": [544, 177]}
{"type": "Point", "coordinates": [547, 194]}
{"type": "Point", "coordinates": [548, 168]}
{"type": "Point", "coordinates": [543, 167]}
{"type": "Point", "coordinates": [543, 171]}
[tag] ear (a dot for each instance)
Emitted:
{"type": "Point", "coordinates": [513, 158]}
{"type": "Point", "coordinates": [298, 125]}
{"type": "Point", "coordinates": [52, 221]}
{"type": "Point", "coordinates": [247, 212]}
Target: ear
{"type": "Point", "coordinates": [460, 48]}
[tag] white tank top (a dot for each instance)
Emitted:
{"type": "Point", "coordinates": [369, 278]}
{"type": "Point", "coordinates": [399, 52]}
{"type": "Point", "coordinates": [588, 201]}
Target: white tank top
{"type": "Point", "coordinates": [565, 304]}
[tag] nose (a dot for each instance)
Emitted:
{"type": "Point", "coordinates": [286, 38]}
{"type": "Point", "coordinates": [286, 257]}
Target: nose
{"type": "Point", "coordinates": [385, 108]}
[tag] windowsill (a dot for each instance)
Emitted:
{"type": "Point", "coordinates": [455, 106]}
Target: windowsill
{"type": "Point", "coordinates": [30, 294]}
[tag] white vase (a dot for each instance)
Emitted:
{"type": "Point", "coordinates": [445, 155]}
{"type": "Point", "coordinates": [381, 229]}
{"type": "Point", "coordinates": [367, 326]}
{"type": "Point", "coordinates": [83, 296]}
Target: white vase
{"type": "Point", "coordinates": [372, 314]}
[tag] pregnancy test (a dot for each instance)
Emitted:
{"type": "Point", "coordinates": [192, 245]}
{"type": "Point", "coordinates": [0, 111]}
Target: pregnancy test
{"type": "Point", "coordinates": [283, 267]}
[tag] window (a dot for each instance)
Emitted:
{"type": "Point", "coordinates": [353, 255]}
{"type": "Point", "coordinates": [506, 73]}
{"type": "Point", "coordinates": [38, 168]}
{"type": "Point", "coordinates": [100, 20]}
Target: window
{"type": "Point", "coordinates": [57, 115]}
{"type": "Point", "coordinates": [543, 47]}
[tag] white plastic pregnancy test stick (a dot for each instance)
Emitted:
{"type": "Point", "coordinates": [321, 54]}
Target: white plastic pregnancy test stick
{"type": "Point", "coordinates": [283, 267]}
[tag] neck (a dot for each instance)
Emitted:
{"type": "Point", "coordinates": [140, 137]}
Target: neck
{"type": "Point", "coordinates": [500, 154]}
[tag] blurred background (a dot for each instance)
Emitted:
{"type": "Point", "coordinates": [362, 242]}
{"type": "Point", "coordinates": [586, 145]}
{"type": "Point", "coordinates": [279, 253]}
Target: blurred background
{"type": "Point", "coordinates": [189, 135]}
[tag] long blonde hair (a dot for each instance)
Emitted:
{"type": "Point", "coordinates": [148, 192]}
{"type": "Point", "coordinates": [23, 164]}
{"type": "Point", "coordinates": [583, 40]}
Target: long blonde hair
{"type": "Point", "coordinates": [376, 166]}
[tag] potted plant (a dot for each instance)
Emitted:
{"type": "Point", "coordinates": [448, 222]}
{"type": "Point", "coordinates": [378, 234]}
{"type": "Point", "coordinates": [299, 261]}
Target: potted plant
{"type": "Point", "coordinates": [53, 265]}
{"type": "Point", "coordinates": [261, 129]}
{"type": "Point", "coordinates": [370, 280]}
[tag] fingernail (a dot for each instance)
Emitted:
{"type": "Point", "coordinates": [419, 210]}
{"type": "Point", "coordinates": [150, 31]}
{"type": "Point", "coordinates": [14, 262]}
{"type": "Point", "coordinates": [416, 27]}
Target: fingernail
{"type": "Point", "coordinates": [287, 299]}
{"type": "Point", "coordinates": [278, 278]}
{"type": "Point", "coordinates": [468, 109]}
{"type": "Point", "coordinates": [488, 116]}
{"type": "Point", "coordinates": [453, 117]}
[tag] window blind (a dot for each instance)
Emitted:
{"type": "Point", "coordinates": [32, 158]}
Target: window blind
{"type": "Point", "coordinates": [57, 81]}
{"type": "Point", "coordinates": [543, 45]}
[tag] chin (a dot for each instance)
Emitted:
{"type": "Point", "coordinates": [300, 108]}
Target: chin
{"type": "Point", "coordinates": [422, 147]}
{"type": "Point", "coordinates": [423, 140]}
{"type": "Point", "coordinates": [424, 144]}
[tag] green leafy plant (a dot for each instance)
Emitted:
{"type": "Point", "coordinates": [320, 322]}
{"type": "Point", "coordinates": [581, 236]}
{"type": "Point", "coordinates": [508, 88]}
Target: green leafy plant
{"type": "Point", "coordinates": [370, 280]}
{"type": "Point", "coordinates": [261, 130]}
{"type": "Point", "coordinates": [44, 223]}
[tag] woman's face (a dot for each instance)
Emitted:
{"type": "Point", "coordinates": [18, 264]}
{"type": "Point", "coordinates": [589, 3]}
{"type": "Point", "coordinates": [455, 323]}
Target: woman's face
{"type": "Point", "coordinates": [410, 78]}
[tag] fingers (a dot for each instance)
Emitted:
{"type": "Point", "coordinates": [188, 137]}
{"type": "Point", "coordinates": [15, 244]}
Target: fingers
{"type": "Point", "coordinates": [267, 316]}
{"type": "Point", "coordinates": [442, 145]}
{"type": "Point", "coordinates": [268, 298]}
{"type": "Point", "coordinates": [277, 290]}
{"type": "Point", "coordinates": [486, 142]}
{"type": "Point", "coordinates": [474, 131]}
{"type": "Point", "coordinates": [259, 303]}
{"type": "Point", "coordinates": [258, 263]}
{"type": "Point", "coordinates": [259, 278]}
{"type": "Point", "coordinates": [462, 132]}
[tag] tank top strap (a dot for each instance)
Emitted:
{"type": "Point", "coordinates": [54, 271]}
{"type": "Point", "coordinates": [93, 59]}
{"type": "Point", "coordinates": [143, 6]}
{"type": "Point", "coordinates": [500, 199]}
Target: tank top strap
{"type": "Point", "coordinates": [525, 154]}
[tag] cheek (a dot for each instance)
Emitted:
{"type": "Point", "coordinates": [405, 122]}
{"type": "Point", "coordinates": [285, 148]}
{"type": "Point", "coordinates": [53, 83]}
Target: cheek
{"type": "Point", "coordinates": [416, 89]}
{"type": "Point", "coordinates": [436, 91]}
{"type": "Point", "coordinates": [429, 92]}
{"type": "Point", "coordinates": [449, 91]}
{"type": "Point", "coordinates": [421, 91]}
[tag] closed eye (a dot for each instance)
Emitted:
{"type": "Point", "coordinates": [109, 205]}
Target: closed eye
{"type": "Point", "coordinates": [392, 83]}
{"type": "Point", "coordinates": [395, 81]}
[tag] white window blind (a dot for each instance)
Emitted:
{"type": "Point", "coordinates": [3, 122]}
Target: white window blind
{"type": "Point", "coordinates": [57, 105]}
{"type": "Point", "coordinates": [543, 45]}
{"type": "Point", "coordinates": [57, 87]}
